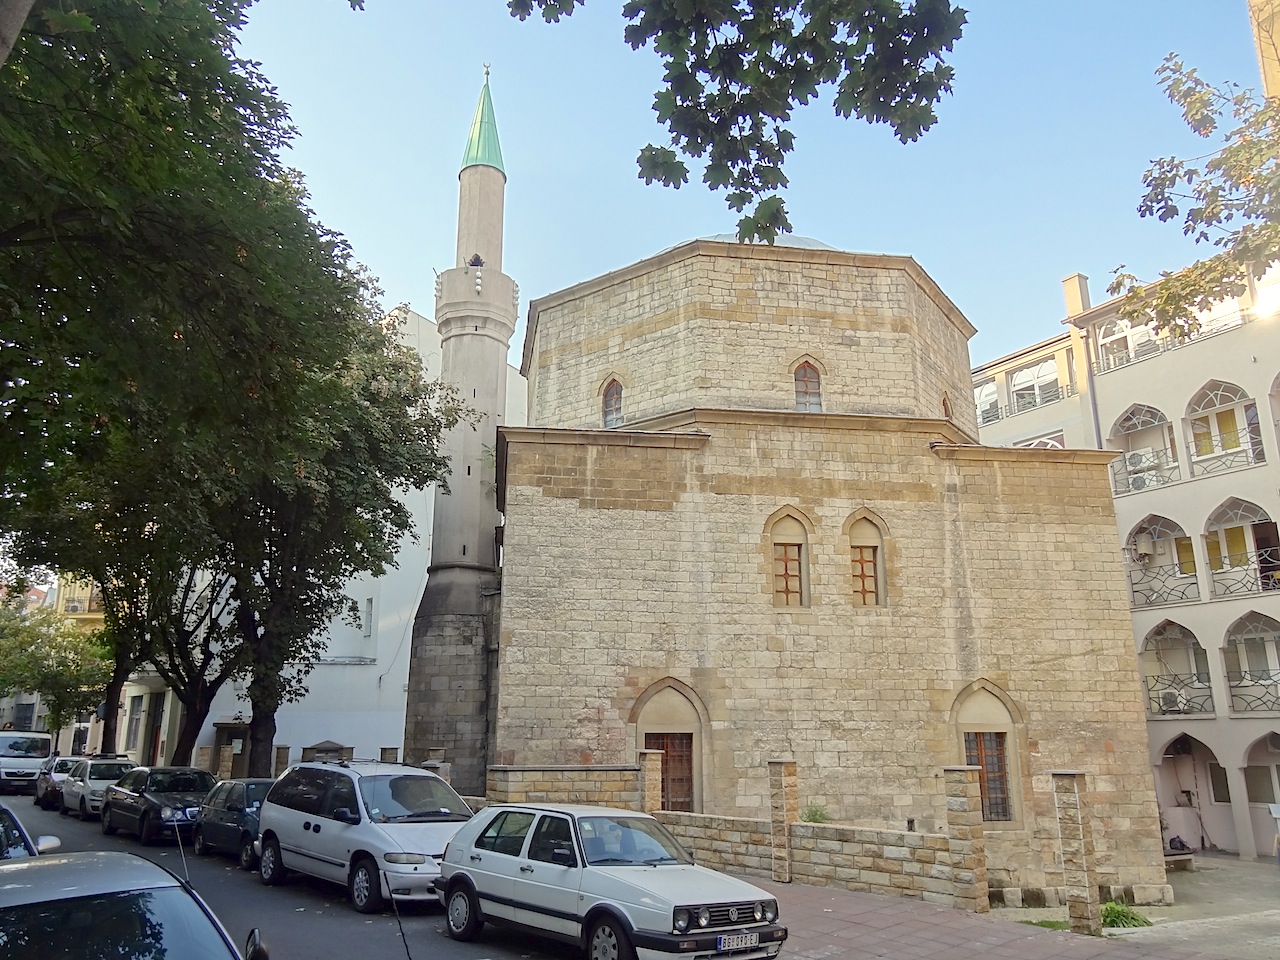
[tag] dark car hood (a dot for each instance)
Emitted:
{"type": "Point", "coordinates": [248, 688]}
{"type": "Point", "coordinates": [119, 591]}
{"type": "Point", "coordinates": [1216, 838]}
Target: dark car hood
{"type": "Point", "coordinates": [176, 799]}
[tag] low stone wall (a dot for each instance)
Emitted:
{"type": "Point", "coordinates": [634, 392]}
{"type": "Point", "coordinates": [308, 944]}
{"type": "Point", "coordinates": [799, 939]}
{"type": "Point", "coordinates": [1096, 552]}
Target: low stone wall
{"type": "Point", "coordinates": [610, 785]}
{"type": "Point", "coordinates": [898, 863]}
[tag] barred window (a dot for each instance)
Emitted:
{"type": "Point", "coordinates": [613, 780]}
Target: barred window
{"type": "Point", "coordinates": [808, 389]}
{"type": "Point", "coordinates": [988, 752]}
{"type": "Point", "coordinates": [790, 563]}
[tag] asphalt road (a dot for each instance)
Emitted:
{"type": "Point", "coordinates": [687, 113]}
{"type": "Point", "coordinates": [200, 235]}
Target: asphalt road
{"type": "Point", "coordinates": [305, 919]}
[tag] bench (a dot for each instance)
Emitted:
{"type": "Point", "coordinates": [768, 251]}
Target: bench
{"type": "Point", "coordinates": [1179, 860]}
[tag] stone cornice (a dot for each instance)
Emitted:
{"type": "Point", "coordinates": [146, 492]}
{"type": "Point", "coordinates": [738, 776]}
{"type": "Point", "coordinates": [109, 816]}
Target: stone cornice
{"type": "Point", "coordinates": [747, 251]}
{"type": "Point", "coordinates": [946, 431]}
{"type": "Point", "coordinates": [974, 451]}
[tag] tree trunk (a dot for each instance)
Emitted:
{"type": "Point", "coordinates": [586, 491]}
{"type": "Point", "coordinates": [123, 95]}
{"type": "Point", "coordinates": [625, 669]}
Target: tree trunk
{"type": "Point", "coordinates": [13, 14]}
{"type": "Point", "coordinates": [262, 741]}
{"type": "Point", "coordinates": [195, 712]}
{"type": "Point", "coordinates": [123, 667]}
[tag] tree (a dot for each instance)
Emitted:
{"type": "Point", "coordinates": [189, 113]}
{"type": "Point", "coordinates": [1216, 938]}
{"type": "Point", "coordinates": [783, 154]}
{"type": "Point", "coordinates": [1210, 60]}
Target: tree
{"type": "Point", "coordinates": [736, 69]}
{"type": "Point", "coordinates": [43, 653]}
{"type": "Point", "coordinates": [296, 539]}
{"type": "Point", "coordinates": [1229, 199]}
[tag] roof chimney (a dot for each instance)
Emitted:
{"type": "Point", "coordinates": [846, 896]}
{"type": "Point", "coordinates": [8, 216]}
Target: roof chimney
{"type": "Point", "coordinates": [1076, 291]}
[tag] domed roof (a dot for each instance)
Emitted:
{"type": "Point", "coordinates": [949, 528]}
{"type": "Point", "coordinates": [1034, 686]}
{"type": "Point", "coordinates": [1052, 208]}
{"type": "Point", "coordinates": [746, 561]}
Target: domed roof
{"type": "Point", "coordinates": [783, 240]}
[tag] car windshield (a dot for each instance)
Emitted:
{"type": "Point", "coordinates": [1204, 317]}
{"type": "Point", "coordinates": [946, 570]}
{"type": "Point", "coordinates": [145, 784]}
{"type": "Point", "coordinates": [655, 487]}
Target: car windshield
{"type": "Point", "coordinates": [65, 764]}
{"type": "Point", "coordinates": [629, 841]}
{"type": "Point", "coordinates": [139, 925]}
{"type": "Point", "coordinates": [405, 797]}
{"type": "Point", "coordinates": [20, 746]}
{"type": "Point", "coordinates": [109, 771]}
{"type": "Point", "coordinates": [180, 781]}
{"type": "Point", "coordinates": [13, 845]}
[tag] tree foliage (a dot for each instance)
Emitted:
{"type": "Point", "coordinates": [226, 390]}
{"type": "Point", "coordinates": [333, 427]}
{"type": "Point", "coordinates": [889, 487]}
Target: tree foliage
{"type": "Point", "coordinates": [43, 653]}
{"type": "Point", "coordinates": [736, 69]}
{"type": "Point", "coordinates": [1229, 199]}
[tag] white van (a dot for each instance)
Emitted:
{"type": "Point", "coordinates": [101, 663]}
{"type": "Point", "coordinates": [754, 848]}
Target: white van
{"type": "Point", "coordinates": [379, 829]}
{"type": "Point", "coordinates": [22, 752]}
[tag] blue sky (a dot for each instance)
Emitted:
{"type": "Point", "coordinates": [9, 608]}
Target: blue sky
{"type": "Point", "coordinates": [1033, 171]}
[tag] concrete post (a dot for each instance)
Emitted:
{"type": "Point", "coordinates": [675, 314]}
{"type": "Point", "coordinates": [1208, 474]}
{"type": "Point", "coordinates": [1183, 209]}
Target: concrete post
{"type": "Point", "coordinates": [282, 759]}
{"type": "Point", "coordinates": [224, 762]}
{"type": "Point", "coordinates": [784, 810]}
{"type": "Point", "coordinates": [204, 758]}
{"type": "Point", "coordinates": [650, 780]}
{"type": "Point", "coordinates": [1075, 836]}
{"type": "Point", "coordinates": [389, 754]}
{"type": "Point", "coordinates": [966, 842]}
{"type": "Point", "coordinates": [1239, 787]}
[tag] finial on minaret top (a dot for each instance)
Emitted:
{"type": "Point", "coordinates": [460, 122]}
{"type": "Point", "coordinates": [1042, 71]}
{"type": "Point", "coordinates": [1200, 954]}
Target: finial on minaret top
{"type": "Point", "coordinates": [486, 73]}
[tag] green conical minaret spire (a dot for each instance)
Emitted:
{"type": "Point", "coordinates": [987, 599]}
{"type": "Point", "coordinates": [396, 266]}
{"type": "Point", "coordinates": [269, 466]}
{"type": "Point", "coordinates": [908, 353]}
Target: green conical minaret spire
{"type": "Point", "coordinates": [482, 143]}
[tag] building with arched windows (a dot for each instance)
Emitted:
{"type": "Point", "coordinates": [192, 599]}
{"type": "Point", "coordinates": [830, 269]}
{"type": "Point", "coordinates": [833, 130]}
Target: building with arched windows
{"type": "Point", "coordinates": [1191, 424]}
{"type": "Point", "coordinates": [746, 521]}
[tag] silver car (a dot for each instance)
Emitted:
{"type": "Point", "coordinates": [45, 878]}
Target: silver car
{"type": "Point", "coordinates": [107, 904]}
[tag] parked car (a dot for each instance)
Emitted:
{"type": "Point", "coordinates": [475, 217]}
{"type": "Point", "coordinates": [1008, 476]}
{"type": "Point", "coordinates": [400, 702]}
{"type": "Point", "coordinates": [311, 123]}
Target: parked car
{"type": "Point", "coordinates": [16, 843]}
{"type": "Point", "coordinates": [107, 904]}
{"type": "Point", "coordinates": [48, 791]}
{"type": "Point", "coordinates": [611, 881]}
{"type": "Point", "coordinates": [228, 819]}
{"type": "Point", "coordinates": [83, 789]}
{"type": "Point", "coordinates": [155, 802]}
{"type": "Point", "coordinates": [22, 752]}
{"type": "Point", "coordinates": [378, 828]}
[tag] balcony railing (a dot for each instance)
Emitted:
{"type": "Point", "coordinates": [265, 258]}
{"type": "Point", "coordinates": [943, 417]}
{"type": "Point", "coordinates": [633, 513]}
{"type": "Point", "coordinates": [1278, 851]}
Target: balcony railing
{"type": "Point", "coordinates": [1132, 472]}
{"type": "Point", "coordinates": [1242, 573]}
{"type": "Point", "coordinates": [1230, 451]}
{"type": "Point", "coordinates": [1042, 397]}
{"type": "Point", "coordinates": [1175, 694]}
{"type": "Point", "coordinates": [1254, 690]}
{"type": "Point", "coordinates": [1152, 348]}
{"type": "Point", "coordinates": [1151, 586]}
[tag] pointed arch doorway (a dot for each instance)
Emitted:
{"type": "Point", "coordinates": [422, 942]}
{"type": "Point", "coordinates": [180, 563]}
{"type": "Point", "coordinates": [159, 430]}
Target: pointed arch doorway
{"type": "Point", "coordinates": [669, 717]}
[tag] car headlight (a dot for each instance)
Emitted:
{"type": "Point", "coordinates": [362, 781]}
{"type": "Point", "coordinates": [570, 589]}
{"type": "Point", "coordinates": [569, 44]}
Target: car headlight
{"type": "Point", "coordinates": [681, 920]}
{"type": "Point", "coordinates": [404, 857]}
{"type": "Point", "coordinates": [95, 794]}
{"type": "Point", "coordinates": [758, 911]}
{"type": "Point", "coordinates": [704, 916]}
{"type": "Point", "coordinates": [771, 910]}
{"type": "Point", "coordinates": [166, 813]}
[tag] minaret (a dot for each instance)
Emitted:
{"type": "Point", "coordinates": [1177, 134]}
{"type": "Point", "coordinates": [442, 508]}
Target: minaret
{"type": "Point", "coordinates": [454, 636]}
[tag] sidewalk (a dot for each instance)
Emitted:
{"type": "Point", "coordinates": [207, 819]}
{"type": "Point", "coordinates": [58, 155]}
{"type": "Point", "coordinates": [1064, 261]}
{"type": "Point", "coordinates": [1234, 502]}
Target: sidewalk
{"type": "Point", "coordinates": [832, 922]}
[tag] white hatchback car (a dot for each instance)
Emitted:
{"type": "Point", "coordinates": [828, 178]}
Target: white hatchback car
{"type": "Point", "coordinates": [83, 788]}
{"type": "Point", "coordinates": [612, 881]}
{"type": "Point", "coordinates": [377, 828]}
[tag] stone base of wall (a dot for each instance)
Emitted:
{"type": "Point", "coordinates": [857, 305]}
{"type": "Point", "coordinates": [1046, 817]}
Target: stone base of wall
{"type": "Point", "coordinates": [1137, 894]}
{"type": "Point", "coordinates": [611, 786]}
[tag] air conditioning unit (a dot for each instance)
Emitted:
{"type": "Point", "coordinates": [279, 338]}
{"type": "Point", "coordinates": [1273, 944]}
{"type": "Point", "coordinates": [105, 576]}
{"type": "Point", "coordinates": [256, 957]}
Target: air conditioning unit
{"type": "Point", "coordinates": [1173, 701]}
{"type": "Point", "coordinates": [73, 607]}
{"type": "Point", "coordinates": [1138, 459]}
{"type": "Point", "coordinates": [1137, 482]}
{"type": "Point", "coordinates": [1144, 544]}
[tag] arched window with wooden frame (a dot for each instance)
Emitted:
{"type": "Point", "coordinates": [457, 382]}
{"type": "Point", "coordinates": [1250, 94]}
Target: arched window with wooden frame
{"type": "Point", "coordinates": [789, 560]}
{"type": "Point", "coordinates": [808, 388]}
{"type": "Point", "coordinates": [611, 406]}
{"type": "Point", "coordinates": [866, 554]}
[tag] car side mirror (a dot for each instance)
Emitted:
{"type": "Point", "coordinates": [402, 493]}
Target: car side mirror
{"type": "Point", "coordinates": [346, 815]}
{"type": "Point", "coordinates": [563, 856]}
{"type": "Point", "coordinates": [253, 948]}
{"type": "Point", "coordinates": [47, 844]}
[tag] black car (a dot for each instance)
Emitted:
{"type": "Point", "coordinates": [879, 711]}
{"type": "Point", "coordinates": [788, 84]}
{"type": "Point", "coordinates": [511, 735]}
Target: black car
{"type": "Point", "coordinates": [228, 819]}
{"type": "Point", "coordinates": [156, 802]}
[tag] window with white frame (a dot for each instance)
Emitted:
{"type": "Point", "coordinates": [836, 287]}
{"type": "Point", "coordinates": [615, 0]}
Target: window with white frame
{"type": "Point", "coordinates": [1034, 385]}
{"type": "Point", "coordinates": [987, 401]}
{"type": "Point", "coordinates": [1051, 441]}
{"type": "Point", "coordinates": [808, 388]}
{"type": "Point", "coordinates": [1222, 418]}
{"type": "Point", "coordinates": [1250, 653]}
{"type": "Point", "coordinates": [366, 620]}
{"type": "Point", "coordinates": [1258, 782]}
{"type": "Point", "coordinates": [1119, 343]}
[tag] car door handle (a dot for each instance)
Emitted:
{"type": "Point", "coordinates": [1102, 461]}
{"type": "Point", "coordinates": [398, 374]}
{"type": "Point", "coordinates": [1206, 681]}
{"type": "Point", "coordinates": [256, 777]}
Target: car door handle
{"type": "Point", "coordinates": [526, 869]}
{"type": "Point", "coordinates": [476, 858]}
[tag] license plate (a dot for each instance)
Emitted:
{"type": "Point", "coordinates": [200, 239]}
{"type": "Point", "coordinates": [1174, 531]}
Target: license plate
{"type": "Point", "coordinates": [737, 941]}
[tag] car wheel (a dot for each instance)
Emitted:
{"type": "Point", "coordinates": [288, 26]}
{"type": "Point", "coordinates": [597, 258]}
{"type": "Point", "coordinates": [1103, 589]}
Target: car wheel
{"type": "Point", "coordinates": [609, 941]}
{"type": "Point", "coordinates": [35, 798]}
{"type": "Point", "coordinates": [62, 806]}
{"type": "Point", "coordinates": [248, 859]}
{"type": "Point", "coordinates": [270, 869]}
{"type": "Point", "coordinates": [108, 827]}
{"type": "Point", "coordinates": [198, 844]}
{"type": "Point", "coordinates": [146, 831]}
{"type": "Point", "coordinates": [365, 886]}
{"type": "Point", "coordinates": [83, 813]}
{"type": "Point", "coordinates": [462, 913]}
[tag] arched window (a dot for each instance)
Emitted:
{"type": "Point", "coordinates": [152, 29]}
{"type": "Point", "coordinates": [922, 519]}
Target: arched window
{"type": "Point", "coordinates": [808, 389]}
{"type": "Point", "coordinates": [612, 406]}
{"type": "Point", "coordinates": [988, 724]}
{"type": "Point", "coordinates": [866, 551]}
{"type": "Point", "coordinates": [790, 545]}
{"type": "Point", "coordinates": [1223, 420]}
{"type": "Point", "coordinates": [987, 401]}
{"type": "Point", "coordinates": [1034, 385]}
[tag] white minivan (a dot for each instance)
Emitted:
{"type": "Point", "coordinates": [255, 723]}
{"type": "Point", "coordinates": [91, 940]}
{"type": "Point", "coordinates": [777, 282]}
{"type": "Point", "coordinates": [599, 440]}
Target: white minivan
{"type": "Point", "coordinates": [22, 752]}
{"type": "Point", "coordinates": [378, 828]}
